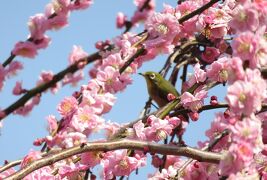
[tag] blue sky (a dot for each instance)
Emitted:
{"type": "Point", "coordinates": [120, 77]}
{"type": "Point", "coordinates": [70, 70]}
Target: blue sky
{"type": "Point", "coordinates": [85, 28]}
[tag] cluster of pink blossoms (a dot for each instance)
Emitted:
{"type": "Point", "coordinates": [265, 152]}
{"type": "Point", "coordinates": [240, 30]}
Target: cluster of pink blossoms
{"type": "Point", "coordinates": [143, 11]}
{"type": "Point", "coordinates": [244, 149]}
{"type": "Point", "coordinates": [245, 22]}
{"type": "Point", "coordinates": [55, 17]}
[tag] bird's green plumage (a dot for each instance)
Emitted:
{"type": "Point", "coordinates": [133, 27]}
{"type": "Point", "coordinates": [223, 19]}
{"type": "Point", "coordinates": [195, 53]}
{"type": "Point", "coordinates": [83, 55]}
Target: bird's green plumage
{"type": "Point", "coordinates": [159, 88]}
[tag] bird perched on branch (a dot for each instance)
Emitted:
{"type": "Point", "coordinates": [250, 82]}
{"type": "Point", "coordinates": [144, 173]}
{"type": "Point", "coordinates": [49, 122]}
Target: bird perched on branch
{"type": "Point", "coordinates": [159, 88]}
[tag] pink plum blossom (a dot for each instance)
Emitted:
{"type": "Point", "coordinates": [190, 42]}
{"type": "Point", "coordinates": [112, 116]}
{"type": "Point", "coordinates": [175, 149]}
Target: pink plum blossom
{"type": "Point", "coordinates": [175, 121]}
{"type": "Point", "coordinates": [166, 173]}
{"type": "Point", "coordinates": [107, 100]}
{"type": "Point", "coordinates": [139, 132]}
{"type": "Point", "coordinates": [235, 70]}
{"type": "Point", "coordinates": [198, 76]}
{"type": "Point", "coordinates": [158, 129]}
{"type": "Point", "coordinates": [118, 163]}
{"type": "Point", "coordinates": [245, 18]}
{"type": "Point", "coordinates": [52, 123]}
{"type": "Point", "coordinates": [113, 60]}
{"type": "Point", "coordinates": [162, 29]}
{"type": "Point", "coordinates": [71, 170]}
{"type": "Point", "coordinates": [210, 54]}
{"type": "Point", "coordinates": [239, 156]}
{"type": "Point", "coordinates": [91, 158]}
{"type": "Point", "coordinates": [189, 27]}
{"type": "Point", "coordinates": [246, 96]}
{"type": "Point", "coordinates": [260, 57]}
{"type": "Point", "coordinates": [68, 106]}
{"type": "Point", "coordinates": [248, 130]}
{"type": "Point", "coordinates": [17, 90]}
{"type": "Point", "coordinates": [245, 46]}
{"type": "Point", "coordinates": [145, 13]}
{"type": "Point", "coordinates": [43, 173]}
{"type": "Point", "coordinates": [111, 128]}
{"type": "Point", "coordinates": [86, 120]}
{"type": "Point", "coordinates": [193, 102]}
{"type": "Point", "coordinates": [71, 139]}
{"type": "Point", "coordinates": [77, 54]}
{"type": "Point", "coordinates": [217, 71]}
{"type": "Point", "coordinates": [109, 79]}
{"type": "Point", "coordinates": [37, 26]}
{"type": "Point", "coordinates": [13, 68]}
{"type": "Point", "coordinates": [25, 49]}
{"type": "Point", "coordinates": [61, 18]}
{"type": "Point", "coordinates": [242, 98]}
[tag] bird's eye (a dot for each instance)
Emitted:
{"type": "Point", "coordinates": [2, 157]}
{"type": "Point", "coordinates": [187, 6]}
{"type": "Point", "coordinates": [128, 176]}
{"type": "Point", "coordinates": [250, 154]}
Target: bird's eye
{"type": "Point", "coordinates": [152, 76]}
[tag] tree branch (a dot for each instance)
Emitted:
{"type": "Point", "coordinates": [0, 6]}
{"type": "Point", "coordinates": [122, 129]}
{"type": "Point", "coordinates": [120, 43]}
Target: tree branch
{"type": "Point", "coordinates": [121, 144]}
{"type": "Point", "coordinates": [43, 87]}
{"type": "Point", "coordinates": [18, 162]}
{"type": "Point", "coordinates": [203, 108]}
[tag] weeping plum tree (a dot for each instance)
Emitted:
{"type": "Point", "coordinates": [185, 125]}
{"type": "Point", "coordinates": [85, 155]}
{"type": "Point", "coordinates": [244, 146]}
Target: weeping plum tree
{"type": "Point", "coordinates": [224, 44]}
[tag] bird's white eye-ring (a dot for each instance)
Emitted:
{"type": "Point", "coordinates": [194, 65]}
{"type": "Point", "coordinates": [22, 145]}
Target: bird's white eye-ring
{"type": "Point", "coordinates": [152, 76]}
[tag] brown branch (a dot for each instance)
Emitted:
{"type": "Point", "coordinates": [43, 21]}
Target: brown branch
{"type": "Point", "coordinates": [10, 165]}
{"type": "Point", "coordinates": [264, 72]}
{"type": "Point", "coordinates": [197, 11]}
{"type": "Point", "coordinates": [18, 162]}
{"type": "Point", "coordinates": [43, 87]}
{"type": "Point", "coordinates": [121, 144]}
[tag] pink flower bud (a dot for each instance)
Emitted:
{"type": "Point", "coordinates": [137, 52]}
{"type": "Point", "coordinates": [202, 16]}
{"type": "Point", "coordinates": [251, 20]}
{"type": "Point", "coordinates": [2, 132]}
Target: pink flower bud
{"type": "Point", "coordinates": [156, 161]}
{"type": "Point", "coordinates": [213, 100]}
{"type": "Point", "coordinates": [38, 141]}
{"type": "Point", "coordinates": [170, 97]}
{"type": "Point", "coordinates": [99, 45]}
{"type": "Point", "coordinates": [120, 20]}
{"type": "Point", "coordinates": [194, 116]}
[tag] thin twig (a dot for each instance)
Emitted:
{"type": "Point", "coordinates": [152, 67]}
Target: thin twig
{"type": "Point", "coordinates": [127, 63]}
{"type": "Point", "coordinates": [197, 11]}
{"type": "Point", "coordinates": [203, 108]}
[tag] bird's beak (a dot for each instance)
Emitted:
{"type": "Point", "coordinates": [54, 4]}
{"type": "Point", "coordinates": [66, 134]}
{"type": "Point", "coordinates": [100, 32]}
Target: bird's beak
{"type": "Point", "coordinates": [141, 74]}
